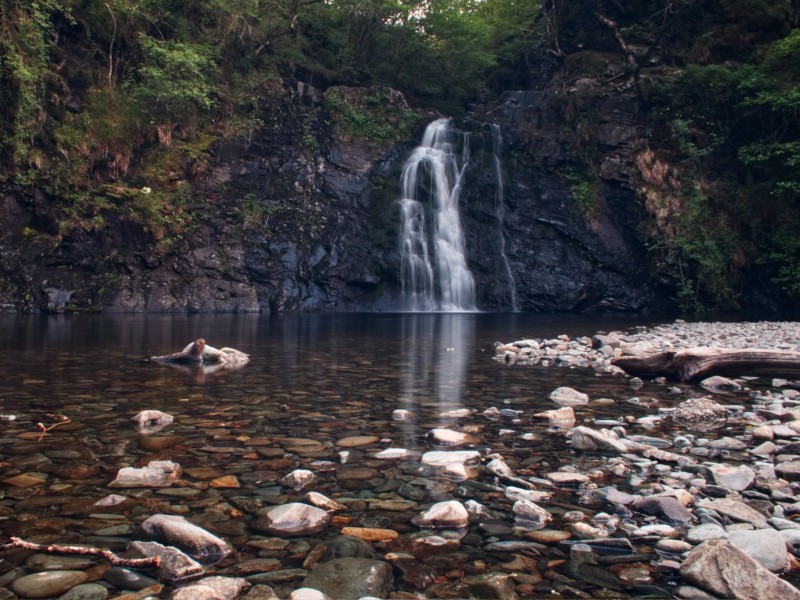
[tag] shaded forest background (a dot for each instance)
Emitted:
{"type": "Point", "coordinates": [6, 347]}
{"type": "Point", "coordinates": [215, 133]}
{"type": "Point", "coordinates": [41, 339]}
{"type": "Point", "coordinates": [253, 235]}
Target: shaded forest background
{"type": "Point", "coordinates": [102, 101]}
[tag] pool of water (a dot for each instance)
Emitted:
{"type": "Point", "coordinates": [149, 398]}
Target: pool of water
{"type": "Point", "coordinates": [311, 377]}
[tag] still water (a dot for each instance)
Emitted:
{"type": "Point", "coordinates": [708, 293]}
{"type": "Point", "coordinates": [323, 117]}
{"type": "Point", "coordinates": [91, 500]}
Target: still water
{"type": "Point", "coordinates": [317, 378]}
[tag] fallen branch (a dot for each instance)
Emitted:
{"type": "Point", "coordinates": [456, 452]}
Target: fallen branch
{"type": "Point", "coordinates": [131, 563]}
{"type": "Point", "coordinates": [698, 363]}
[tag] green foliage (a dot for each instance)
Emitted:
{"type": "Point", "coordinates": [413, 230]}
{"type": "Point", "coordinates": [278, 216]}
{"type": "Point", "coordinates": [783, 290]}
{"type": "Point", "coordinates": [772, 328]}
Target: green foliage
{"type": "Point", "coordinates": [26, 31]}
{"type": "Point", "coordinates": [377, 117]}
{"type": "Point", "coordinates": [174, 80]}
{"type": "Point", "coordinates": [584, 192]}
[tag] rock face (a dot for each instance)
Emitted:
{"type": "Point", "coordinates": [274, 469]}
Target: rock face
{"type": "Point", "coordinates": [300, 218]}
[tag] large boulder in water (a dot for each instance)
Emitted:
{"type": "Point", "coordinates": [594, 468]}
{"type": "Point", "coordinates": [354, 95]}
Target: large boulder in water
{"type": "Point", "coordinates": [351, 578]}
{"type": "Point", "coordinates": [176, 531]}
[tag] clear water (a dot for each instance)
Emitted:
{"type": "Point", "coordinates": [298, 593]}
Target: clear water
{"type": "Point", "coordinates": [318, 377]}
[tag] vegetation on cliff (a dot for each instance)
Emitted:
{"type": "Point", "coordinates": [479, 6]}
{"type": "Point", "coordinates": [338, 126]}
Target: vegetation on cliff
{"type": "Point", "coordinates": [111, 106]}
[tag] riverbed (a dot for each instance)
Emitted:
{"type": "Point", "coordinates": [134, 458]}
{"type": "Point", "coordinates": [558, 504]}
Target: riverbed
{"type": "Point", "coordinates": [326, 394]}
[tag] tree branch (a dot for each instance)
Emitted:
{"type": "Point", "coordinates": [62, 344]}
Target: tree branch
{"type": "Point", "coordinates": [130, 563]}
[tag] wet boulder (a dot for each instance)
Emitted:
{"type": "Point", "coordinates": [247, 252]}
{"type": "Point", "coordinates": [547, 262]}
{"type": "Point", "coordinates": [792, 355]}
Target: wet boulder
{"type": "Point", "coordinates": [351, 578]}
{"type": "Point", "coordinates": [176, 531]}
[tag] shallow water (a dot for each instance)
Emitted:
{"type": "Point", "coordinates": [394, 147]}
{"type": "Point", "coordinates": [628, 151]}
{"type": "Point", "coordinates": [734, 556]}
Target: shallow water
{"type": "Point", "coordinates": [320, 378]}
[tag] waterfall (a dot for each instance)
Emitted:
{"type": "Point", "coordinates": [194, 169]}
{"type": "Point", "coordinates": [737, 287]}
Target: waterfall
{"type": "Point", "coordinates": [433, 271]}
{"type": "Point", "coordinates": [500, 208]}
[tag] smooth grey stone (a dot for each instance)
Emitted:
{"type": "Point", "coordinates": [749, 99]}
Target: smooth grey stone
{"type": "Point", "coordinates": [128, 579]}
{"type": "Point", "coordinates": [225, 588]}
{"type": "Point", "coordinates": [51, 562]}
{"type": "Point", "coordinates": [200, 544]}
{"type": "Point", "coordinates": [47, 584]}
{"type": "Point", "coordinates": [707, 531]}
{"type": "Point", "coordinates": [86, 591]}
{"type": "Point", "coordinates": [767, 546]}
{"type": "Point", "coordinates": [175, 565]}
{"type": "Point", "coordinates": [666, 508]}
{"type": "Point", "coordinates": [351, 578]}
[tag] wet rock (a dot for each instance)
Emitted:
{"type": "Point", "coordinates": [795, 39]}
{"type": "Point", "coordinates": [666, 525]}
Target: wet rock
{"type": "Point", "coordinates": [789, 470]}
{"type": "Point", "coordinates": [47, 583]}
{"type": "Point", "coordinates": [401, 415]}
{"type": "Point", "coordinates": [413, 573]}
{"type": "Point", "coordinates": [345, 546]}
{"type": "Point", "coordinates": [447, 437]}
{"type": "Point", "coordinates": [224, 588]}
{"type": "Point", "coordinates": [733, 478]}
{"type": "Point", "coordinates": [736, 511]}
{"type": "Point", "coordinates": [351, 578]}
{"type": "Point", "coordinates": [298, 479]}
{"type": "Point", "coordinates": [492, 585]}
{"type": "Point", "coordinates": [393, 454]}
{"type": "Point", "coordinates": [529, 515]}
{"type": "Point", "coordinates": [370, 534]}
{"type": "Point", "coordinates": [323, 502]}
{"type": "Point", "coordinates": [721, 568]}
{"type": "Point", "coordinates": [666, 508]}
{"type": "Point", "coordinates": [86, 591]}
{"type": "Point", "coordinates": [443, 458]}
{"type": "Point", "coordinates": [174, 565]}
{"type": "Point", "coordinates": [293, 519]}
{"type": "Point", "coordinates": [356, 441]}
{"type": "Point", "coordinates": [585, 438]}
{"type": "Point", "coordinates": [767, 546]}
{"type": "Point", "coordinates": [446, 514]}
{"type": "Point", "coordinates": [201, 545]}
{"type": "Point", "coordinates": [128, 579]}
{"type": "Point", "coordinates": [158, 473]}
{"type": "Point", "coordinates": [566, 396]}
{"type": "Point", "coordinates": [718, 384]}
{"type": "Point", "coordinates": [308, 594]}
{"type": "Point", "coordinates": [51, 562]}
{"type": "Point", "coordinates": [152, 421]}
{"type": "Point", "coordinates": [705, 532]}
{"type": "Point", "coordinates": [562, 418]}
{"type": "Point", "coordinates": [260, 592]}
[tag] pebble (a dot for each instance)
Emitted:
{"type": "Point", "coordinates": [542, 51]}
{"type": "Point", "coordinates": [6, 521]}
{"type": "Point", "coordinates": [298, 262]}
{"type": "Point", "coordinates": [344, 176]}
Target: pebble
{"type": "Point", "coordinates": [47, 584]}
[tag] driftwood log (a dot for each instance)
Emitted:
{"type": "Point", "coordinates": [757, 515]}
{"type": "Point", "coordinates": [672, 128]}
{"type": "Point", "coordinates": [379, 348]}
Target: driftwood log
{"type": "Point", "coordinates": [692, 364]}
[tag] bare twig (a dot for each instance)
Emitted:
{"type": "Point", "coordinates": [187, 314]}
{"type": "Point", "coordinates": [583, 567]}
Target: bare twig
{"type": "Point", "coordinates": [131, 563]}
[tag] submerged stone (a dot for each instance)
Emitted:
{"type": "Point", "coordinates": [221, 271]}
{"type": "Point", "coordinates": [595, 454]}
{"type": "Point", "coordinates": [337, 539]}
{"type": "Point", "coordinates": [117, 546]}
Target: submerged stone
{"type": "Point", "coordinates": [200, 544]}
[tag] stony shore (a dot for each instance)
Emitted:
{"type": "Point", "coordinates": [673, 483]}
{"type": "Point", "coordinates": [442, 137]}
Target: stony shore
{"type": "Point", "coordinates": [696, 495]}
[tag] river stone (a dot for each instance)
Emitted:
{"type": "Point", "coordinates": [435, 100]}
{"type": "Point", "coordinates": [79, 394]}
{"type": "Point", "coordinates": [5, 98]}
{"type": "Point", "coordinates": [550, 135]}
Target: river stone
{"type": "Point", "coordinates": [346, 546]}
{"type": "Point", "coordinates": [563, 417]}
{"type": "Point", "coordinates": [260, 592]}
{"type": "Point", "coordinates": [128, 579]}
{"type": "Point", "coordinates": [292, 519]}
{"type": "Point", "coordinates": [157, 473]}
{"type": "Point", "coordinates": [357, 440]}
{"type": "Point", "coordinates": [160, 442]}
{"type": "Point", "coordinates": [298, 479]}
{"type": "Point", "coordinates": [392, 454]}
{"type": "Point", "coordinates": [565, 478]}
{"type": "Point", "coordinates": [585, 438]}
{"type": "Point", "coordinates": [51, 562]}
{"type": "Point", "coordinates": [351, 578]}
{"type": "Point", "coordinates": [47, 583]}
{"type": "Point", "coordinates": [198, 543]}
{"type": "Point", "coordinates": [441, 458]}
{"type": "Point", "coordinates": [308, 594]}
{"type": "Point", "coordinates": [733, 478]}
{"type": "Point", "coordinates": [174, 565]}
{"type": "Point", "coordinates": [718, 384]}
{"type": "Point", "coordinates": [721, 568]}
{"type": "Point", "coordinates": [566, 396]}
{"type": "Point", "coordinates": [735, 510]}
{"type": "Point", "coordinates": [448, 437]}
{"type": "Point", "coordinates": [86, 591]}
{"type": "Point", "coordinates": [323, 502]}
{"type": "Point", "coordinates": [529, 515]}
{"type": "Point", "coordinates": [666, 508]}
{"type": "Point", "coordinates": [450, 513]}
{"type": "Point", "coordinates": [499, 586]}
{"type": "Point", "coordinates": [767, 546]}
{"type": "Point", "coordinates": [216, 587]}
{"type": "Point", "coordinates": [370, 534]}
{"type": "Point", "coordinates": [705, 532]}
{"type": "Point", "coordinates": [789, 470]}
{"type": "Point", "coordinates": [697, 411]}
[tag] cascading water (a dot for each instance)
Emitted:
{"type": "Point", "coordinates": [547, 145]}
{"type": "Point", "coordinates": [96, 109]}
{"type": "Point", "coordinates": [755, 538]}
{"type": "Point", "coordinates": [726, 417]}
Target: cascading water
{"type": "Point", "coordinates": [433, 271]}
{"type": "Point", "coordinates": [500, 208]}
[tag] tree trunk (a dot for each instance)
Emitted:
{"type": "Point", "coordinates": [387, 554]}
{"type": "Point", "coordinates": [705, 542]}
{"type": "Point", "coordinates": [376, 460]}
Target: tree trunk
{"type": "Point", "coordinates": [698, 363]}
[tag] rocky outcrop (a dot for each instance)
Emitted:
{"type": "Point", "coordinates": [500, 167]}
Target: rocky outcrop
{"type": "Point", "coordinates": [303, 217]}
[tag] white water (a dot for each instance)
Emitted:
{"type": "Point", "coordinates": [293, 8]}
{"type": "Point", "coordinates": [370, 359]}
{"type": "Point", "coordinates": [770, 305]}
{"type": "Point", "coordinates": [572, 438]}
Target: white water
{"type": "Point", "coordinates": [500, 207]}
{"type": "Point", "coordinates": [433, 271]}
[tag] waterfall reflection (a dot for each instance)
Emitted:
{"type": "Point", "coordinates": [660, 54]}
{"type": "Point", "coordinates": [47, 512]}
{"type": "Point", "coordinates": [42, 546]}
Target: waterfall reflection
{"type": "Point", "coordinates": [435, 350]}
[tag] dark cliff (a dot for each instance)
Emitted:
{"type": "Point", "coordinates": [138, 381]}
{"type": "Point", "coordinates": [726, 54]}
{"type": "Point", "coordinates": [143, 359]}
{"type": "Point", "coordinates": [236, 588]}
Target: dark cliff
{"type": "Point", "coordinates": [303, 216]}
